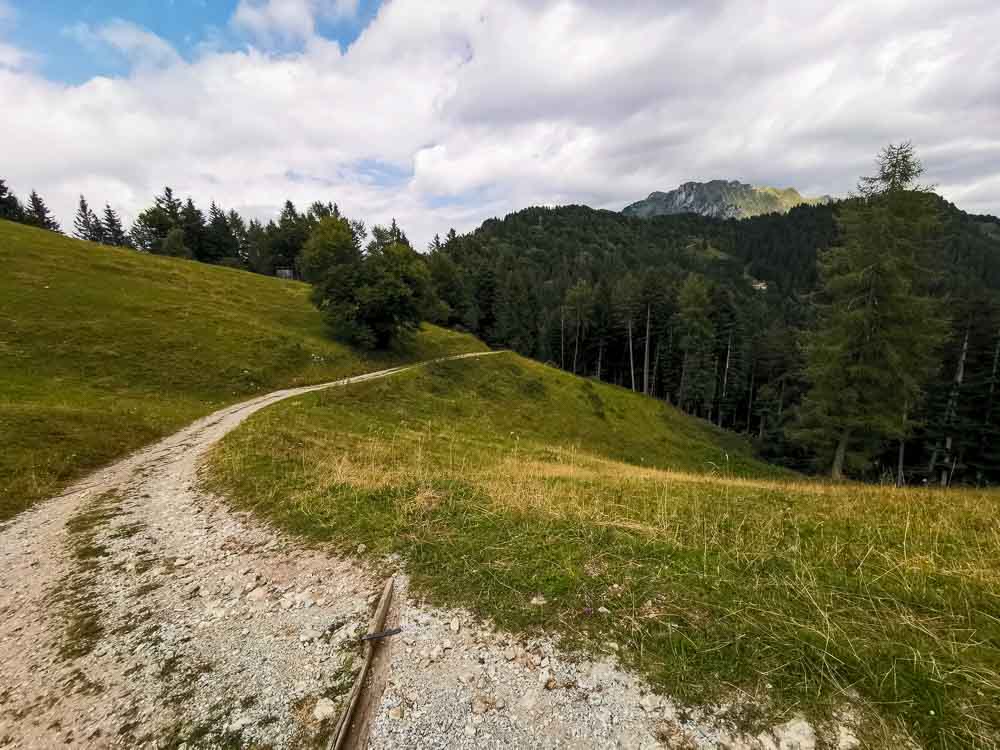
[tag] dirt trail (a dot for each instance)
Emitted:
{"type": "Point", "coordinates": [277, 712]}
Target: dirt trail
{"type": "Point", "coordinates": [138, 610]}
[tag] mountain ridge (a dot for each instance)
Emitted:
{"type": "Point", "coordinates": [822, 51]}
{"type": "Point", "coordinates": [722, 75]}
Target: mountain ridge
{"type": "Point", "coordinates": [721, 199]}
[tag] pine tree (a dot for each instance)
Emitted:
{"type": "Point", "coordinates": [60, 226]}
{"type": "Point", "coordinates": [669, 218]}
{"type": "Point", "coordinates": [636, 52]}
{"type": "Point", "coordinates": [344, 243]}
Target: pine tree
{"type": "Point", "coordinates": [192, 223]}
{"type": "Point", "coordinates": [238, 228]}
{"type": "Point", "coordinates": [287, 237]}
{"type": "Point", "coordinates": [219, 243]}
{"type": "Point", "coordinates": [114, 232]}
{"type": "Point", "coordinates": [87, 225]}
{"type": "Point", "coordinates": [697, 340]}
{"type": "Point", "coordinates": [872, 352]}
{"type": "Point", "coordinates": [170, 205]}
{"type": "Point", "coordinates": [150, 229]}
{"type": "Point", "coordinates": [10, 207]}
{"type": "Point", "coordinates": [38, 214]}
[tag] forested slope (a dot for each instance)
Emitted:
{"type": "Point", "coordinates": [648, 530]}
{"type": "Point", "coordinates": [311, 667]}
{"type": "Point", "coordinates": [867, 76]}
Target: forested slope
{"type": "Point", "coordinates": [709, 314]}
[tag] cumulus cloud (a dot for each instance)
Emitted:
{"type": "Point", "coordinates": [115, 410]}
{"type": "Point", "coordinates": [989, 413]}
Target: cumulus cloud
{"type": "Point", "coordinates": [288, 20]}
{"type": "Point", "coordinates": [443, 116]}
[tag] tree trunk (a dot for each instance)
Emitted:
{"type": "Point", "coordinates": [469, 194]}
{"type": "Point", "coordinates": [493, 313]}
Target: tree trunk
{"type": "Point", "coordinates": [725, 376]}
{"type": "Point", "coordinates": [763, 419]}
{"type": "Point", "coordinates": [600, 355]}
{"type": "Point", "coordinates": [837, 470]}
{"type": "Point", "coordinates": [988, 420]}
{"type": "Point", "coordinates": [562, 337]}
{"type": "Point", "coordinates": [781, 398]}
{"type": "Point", "coordinates": [753, 378]}
{"type": "Point", "coordinates": [631, 354]}
{"type": "Point", "coordinates": [950, 410]}
{"type": "Point", "coordinates": [645, 366]}
{"type": "Point", "coordinates": [576, 350]}
{"type": "Point", "coordinates": [993, 380]}
{"type": "Point", "coordinates": [680, 387]}
{"type": "Point", "coordinates": [656, 367]}
{"type": "Point", "coordinates": [902, 449]}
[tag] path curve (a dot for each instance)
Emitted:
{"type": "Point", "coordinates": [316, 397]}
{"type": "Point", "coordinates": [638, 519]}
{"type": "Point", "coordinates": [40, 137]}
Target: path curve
{"type": "Point", "coordinates": [137, 610]}
{"type": "Point", "coordinates": [145, 614]}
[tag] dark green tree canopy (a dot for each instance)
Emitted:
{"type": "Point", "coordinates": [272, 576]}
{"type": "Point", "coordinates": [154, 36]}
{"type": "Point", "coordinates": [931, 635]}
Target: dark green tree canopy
{"type": "Point", "coordinates": [370, 298]}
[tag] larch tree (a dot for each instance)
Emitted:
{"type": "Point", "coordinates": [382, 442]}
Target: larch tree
{"type": "Point", "coordinates": [872, 351]}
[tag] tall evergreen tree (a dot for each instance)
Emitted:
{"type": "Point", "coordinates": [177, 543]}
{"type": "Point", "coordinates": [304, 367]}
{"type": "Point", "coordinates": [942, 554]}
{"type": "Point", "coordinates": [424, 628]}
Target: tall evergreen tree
{"type": "Point", "coordinates": [150, 229]}
{"type": "Point", "coordinates": [114, 232]}
{"type": "Point", "coordinates": [288, 237]}
{"type": "Point", "coordinates": [873, 350]}
{"type": "Point", "coordinates": [170, 204]}
{"type": "Point", "coordinates": [218, 243]}
{"type": "Point", "coordinates": [192, 223]}
{"type": "Point", "coordinates": [10, 207]}
{"type": "Point", "coordinates": [238, 228]}
{"type": "Point", "coordinates": [38, 214]}
{"type": "Point", "coordinates": [87, 224]}
{"type": "Point", "coordinates": [697, 339]}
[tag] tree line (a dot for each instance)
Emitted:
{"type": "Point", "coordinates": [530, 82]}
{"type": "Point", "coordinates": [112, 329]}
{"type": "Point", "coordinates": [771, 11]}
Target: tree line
{"type": "Point", "coordinates": [861, 337]}
{"type": "Point", "coordinates": [858, 338]}
{"type": "Point", "coordinates": [179, 228]}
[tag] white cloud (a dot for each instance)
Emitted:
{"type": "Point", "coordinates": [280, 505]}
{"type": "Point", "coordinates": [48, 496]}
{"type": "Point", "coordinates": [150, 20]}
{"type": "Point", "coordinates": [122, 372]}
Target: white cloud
{"type": "Point", "coordinates": [288, 20]}
{"type": "Point", "coordinates": [445, 114]}
{"type": "Point", "coordinates": [12, 57]}
{"type": "Point", "coordinates": [139, 46]}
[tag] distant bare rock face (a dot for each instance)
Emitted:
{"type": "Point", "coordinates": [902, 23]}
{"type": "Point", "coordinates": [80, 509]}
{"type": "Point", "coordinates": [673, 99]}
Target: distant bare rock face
{"type": "Point", "coordinates": [720, 199]}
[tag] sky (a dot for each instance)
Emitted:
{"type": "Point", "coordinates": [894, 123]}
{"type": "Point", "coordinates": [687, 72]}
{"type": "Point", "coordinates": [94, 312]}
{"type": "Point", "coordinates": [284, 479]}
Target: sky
{"type": "Point", "coordinates": [443, 113]}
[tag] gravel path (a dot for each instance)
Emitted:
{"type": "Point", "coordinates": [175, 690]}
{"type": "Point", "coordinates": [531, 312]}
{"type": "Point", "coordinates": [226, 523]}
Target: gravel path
{"type": "Point", "coordinates": [138, 610]}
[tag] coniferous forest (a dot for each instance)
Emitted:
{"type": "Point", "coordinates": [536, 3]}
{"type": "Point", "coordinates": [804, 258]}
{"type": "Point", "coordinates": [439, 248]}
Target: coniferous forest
{"type": "Point", "coordinates": [858, 338]}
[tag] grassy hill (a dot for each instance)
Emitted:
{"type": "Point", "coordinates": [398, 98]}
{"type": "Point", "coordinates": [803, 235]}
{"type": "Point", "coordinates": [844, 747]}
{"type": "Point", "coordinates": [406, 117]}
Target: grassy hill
{"type": "Point", "coordinates": [103, 350]}
{"type": "Point", "coordinates": [718, 577]}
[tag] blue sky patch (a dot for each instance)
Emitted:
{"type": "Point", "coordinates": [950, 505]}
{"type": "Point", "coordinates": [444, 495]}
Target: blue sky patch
{"type": "Point", "coordinates": [46, 31]}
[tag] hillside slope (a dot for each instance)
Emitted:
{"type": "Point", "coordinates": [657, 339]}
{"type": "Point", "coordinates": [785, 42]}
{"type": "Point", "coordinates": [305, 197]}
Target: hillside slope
{"type": "Point", "coordinates": [105, 349]}
{"type": "Point", "coordinates": [552, 503]}
{"type": "Point", "coordinates": [721, 199]}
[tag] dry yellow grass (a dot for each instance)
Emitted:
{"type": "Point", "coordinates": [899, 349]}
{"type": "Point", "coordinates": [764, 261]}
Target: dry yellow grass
{"type": "Point", "coordinates": [719, 582]}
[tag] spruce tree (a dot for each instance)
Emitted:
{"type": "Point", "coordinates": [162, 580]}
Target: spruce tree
{"type": "Point", "coordinates": [697, 342]}
{"type": "Point", "coordinates": [218, 242]}
{"type": "Point", "coordinates": [87, 225]}
{"type": "Point", "coordinates": [192, 223]}
{"type": "Point", "coordinates": [872, 352]}
{"type": "Point", "coordinates": [38, 213]}
{"type": "Point", "coordinates": [10, 207]}
{"type": "Point", "coordinates": [114, 232]}
{"type": "Point", "coordinates": [150, 229]}
{"type": "Point", "coordinates": [238, 228]}
{"type": "Point", "coordinates": [170, 205]}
